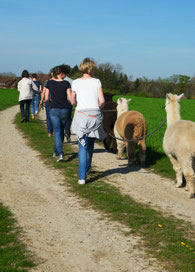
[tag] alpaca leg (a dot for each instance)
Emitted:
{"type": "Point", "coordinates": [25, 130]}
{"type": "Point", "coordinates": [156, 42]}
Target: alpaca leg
{"type": "Point", "coordinates": [131, 152]}
{"type": "Point", "coordinates": [193, 164]}
{"type": "Point", "coordinates": [178, 170]}
{"type": "Point", "coordinates": [190, 179]}
{"type": "Point", "coordinates": [114, 146]}
{"type": "Point", "coordinates": [107, 141]}
{"type": "Point", "coordinates": [120, 147]}
{"type": "Point", "coordinates": [141, 151]}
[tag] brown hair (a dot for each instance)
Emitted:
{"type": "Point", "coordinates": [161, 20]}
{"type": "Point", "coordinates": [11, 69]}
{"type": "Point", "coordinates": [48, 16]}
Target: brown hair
{"type": "Point", "coordinates": [34, 75]}
{"type": "Point", "coordinates": [25, 73]}
{"type": "Point", "coordinates": [55, 71]}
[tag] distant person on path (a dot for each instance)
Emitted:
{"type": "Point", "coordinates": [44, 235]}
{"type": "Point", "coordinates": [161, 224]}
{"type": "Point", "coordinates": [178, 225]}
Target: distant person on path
{"type": "Point", "coordinates": [47, 107]}
{"type": "Point", "coordinates": [36, 97]}
{"type": "Point", "coordinates": [60, 91]}
{"type": "Point", "coordinates": [26, 86]}
{"type": "Point", "coordinates": [87, 95]}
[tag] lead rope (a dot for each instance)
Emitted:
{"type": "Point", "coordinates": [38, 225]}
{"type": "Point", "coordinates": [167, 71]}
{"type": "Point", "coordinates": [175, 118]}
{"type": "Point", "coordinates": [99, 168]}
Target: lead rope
{"type": "Point", "coordinates": [136, 140]}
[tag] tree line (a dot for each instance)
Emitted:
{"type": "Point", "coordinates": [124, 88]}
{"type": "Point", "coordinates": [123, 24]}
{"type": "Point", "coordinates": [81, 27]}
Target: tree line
{"type": "Point", "coordinates": [116, 82]}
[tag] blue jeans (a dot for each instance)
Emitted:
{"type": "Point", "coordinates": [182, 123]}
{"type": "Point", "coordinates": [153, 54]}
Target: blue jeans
{"type": "Point", "coordinates": [35, 104]}
{"type": "Point", "coordinates": [85, 156]}
{"type": "Point", "coordinates": [48, 119]}
{"type": "Point", "coordinates": [68, 122]}
{"type": "Point", "coordinates": [58, 119]}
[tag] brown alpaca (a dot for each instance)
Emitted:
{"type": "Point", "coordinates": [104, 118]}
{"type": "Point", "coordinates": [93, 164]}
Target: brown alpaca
{"type": "Point", "coordinates": [130, 125]}
{"type": "Point", "coordinates": [179, 143]}
{"type": "Point", "coordinates": [109, 119]}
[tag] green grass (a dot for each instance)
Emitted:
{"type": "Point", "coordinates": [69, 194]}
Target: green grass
{"type": "Point", "coordinates": [164, 243]}
{"type": "Point", "coordinates": [14, 257]}
{"type": "Point", "coordinates": [8, 98]}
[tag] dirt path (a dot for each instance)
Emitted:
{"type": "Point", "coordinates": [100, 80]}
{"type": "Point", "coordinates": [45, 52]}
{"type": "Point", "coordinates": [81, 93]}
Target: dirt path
{"type": "Point", "coordinates": [64, 235]}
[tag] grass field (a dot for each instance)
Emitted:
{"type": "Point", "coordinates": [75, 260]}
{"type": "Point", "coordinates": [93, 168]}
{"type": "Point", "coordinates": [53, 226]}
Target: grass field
{"type": "Point", "coordinates": [170, 240]}
{"type": "Point", "coordinates": [8, 98]}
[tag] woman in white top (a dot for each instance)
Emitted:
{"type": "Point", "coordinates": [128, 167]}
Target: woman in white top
{"type": "Point", "coordinates": [26, 87]}
{"type": "Point", "coordinates": [88, 97]}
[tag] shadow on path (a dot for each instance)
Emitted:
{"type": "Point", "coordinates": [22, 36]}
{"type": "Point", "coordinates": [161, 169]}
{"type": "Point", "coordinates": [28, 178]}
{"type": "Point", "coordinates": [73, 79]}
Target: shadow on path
{"type": "Point", "coordinates": [123, 169]}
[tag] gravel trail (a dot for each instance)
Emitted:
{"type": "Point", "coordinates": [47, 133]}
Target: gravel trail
{"type": "Point", "coordinates": [62, 234]}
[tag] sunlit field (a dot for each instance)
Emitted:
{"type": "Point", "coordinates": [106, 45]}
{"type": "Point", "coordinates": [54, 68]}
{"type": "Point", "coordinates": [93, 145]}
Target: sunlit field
{"type": "Point", "coordinates": [8, 98]}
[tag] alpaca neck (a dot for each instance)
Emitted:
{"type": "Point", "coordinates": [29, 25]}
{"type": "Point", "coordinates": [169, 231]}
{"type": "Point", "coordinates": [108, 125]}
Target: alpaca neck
{"type": "Point", "coordinates": [120, 111]}
{"type": "Point", "coordinates": [173, 113]}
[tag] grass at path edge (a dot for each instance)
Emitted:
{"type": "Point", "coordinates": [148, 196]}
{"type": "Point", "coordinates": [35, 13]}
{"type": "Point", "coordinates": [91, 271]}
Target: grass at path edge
{"type": "Point", "coordinates": [14, 257]}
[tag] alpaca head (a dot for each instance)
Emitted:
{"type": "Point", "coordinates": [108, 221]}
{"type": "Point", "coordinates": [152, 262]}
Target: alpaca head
{"type": "Point", "coordinates": [122, 105]}
{"type": "Point", "coordinates": [172, 107]}
{"type": "Point", "coordinates": [171, 98]}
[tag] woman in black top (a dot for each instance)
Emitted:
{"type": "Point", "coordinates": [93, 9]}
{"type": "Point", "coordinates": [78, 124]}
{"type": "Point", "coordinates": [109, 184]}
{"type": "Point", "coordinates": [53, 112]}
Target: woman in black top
{"type": "Point", "coordinates": [59, 91]}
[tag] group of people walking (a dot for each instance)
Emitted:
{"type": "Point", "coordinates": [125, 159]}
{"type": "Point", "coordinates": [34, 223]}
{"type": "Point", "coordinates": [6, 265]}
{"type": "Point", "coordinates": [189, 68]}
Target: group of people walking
{"type": "Point", "coordinates": [61, 94]}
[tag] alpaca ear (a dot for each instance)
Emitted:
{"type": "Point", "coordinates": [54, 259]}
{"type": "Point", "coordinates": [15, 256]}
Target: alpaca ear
{"type": "Point", "coordinates": [168, 95]}
{"type": "Point", "coordinates": [180, 96]}
{"type": "Point", "coordinates": [128, 100]}
{"type": "Point", "coordinates": [119, 100]}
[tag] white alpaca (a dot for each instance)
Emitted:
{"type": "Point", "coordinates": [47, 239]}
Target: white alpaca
{"type": "Point", "coordinates": [179, 143]}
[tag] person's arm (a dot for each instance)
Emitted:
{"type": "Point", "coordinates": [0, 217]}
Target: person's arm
{"type": "Point", "coordinates": [46, 94]}
{"type": "Point", "coordinates": [100, 97]}
{"type": "Point", "coordinates": [19, 86]}
{"type": "Point", "coordinates": [40, 88]}
{"type": "Point", "coordinates": [71, 95]}
{"type": "Point", "coordinates": [43, 95]}
{"type": "Point", "coordinates": [34, 86]}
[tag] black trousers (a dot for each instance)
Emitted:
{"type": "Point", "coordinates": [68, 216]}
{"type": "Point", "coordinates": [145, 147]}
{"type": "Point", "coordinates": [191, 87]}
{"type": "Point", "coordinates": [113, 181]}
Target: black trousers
{"type": "Point", "coordinates": [25, 109]}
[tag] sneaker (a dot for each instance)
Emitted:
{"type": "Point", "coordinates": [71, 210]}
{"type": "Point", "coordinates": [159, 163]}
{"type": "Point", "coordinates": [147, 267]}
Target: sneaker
{"type": "Point", "coordinates": [60, 158]}
{"type": "Point", "coordinates": [55, 155]}
{"type": "Point", "coordinates": [81, 181]}
{"type": "Point", "coordinates": [23, 120]}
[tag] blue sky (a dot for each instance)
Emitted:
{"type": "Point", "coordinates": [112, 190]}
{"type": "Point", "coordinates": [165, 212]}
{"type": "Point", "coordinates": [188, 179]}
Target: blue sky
{"type": "Point", "coordinates": [150, 38]}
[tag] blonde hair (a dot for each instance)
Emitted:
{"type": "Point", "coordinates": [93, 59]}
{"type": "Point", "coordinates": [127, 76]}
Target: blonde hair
{"type": "Point", "coordinates": [87, 66]}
